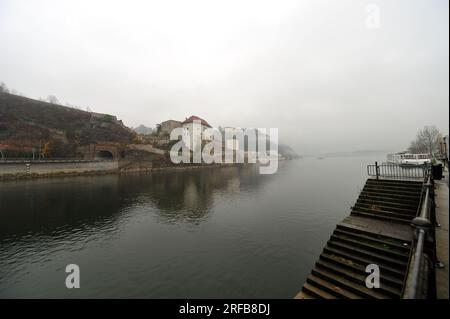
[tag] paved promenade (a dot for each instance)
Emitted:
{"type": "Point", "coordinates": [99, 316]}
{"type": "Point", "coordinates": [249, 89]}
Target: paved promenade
{"type": "Point", "coordinates": [442, 236]}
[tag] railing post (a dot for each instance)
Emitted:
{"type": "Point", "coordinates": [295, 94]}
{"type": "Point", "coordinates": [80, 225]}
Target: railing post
{"type": "Point", "coordinates": [376, 169]}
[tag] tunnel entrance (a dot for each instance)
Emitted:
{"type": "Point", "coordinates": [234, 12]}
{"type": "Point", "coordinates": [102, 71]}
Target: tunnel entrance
{"type": "Point", "coordinates": [104, 155]}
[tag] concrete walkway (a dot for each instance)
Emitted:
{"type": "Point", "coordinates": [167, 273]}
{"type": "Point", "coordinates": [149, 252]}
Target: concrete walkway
{"type": "Point", "coordinates": [442, 237]}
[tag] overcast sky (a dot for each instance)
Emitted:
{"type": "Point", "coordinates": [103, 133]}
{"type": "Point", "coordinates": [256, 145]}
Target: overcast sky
{"type": "Point", "coordinates": [311, 68]}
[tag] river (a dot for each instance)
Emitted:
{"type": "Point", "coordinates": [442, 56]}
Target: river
{"type": "Point", "coordinates": [209, 233]}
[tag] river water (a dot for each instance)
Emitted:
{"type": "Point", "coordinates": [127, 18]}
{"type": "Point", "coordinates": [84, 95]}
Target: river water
{"type": "Point", "coordinates": [209, 233]}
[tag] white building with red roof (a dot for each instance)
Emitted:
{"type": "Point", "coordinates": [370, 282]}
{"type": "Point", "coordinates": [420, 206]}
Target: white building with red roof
{"type": "Point", "coordinates": [195, 126]}
{"type": "Point", "coordinates": [193, 118]}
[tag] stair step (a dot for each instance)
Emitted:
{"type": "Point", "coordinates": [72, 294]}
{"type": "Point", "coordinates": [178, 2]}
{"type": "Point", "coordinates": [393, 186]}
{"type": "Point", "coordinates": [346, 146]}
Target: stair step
{"type": "Point", "coordinates": [391, 198]}
{"type": "Point", "coordinates": [392, 190]}
{"type": "Point", "coordinates": [406, 188]}
{"type": "Point", "coordinates": [370, 255]}
{"type": "Point", "coordinates": [412, 212]}
{"type": "Point", "coordinates": [330, 288]}
{"type": "Point", "coordinates": [370, 247]}
{"type": "Point", "coordinates": [374, 238]}
{"type": "Point", "coordinates": [315, 292]}
{"type": "Point", "coordinates": [352, 287]}
{"type": "Point", "coordinates": [383, 213]}
{"type": "Point", "coordinates": [361, 269]}
{"type": "Point", "coordinates": [402, 197]}
{"type": "Point", "coordinates": [375, 235]}
{"type": "Point", "coordinates": [359, 279]}
{"type": "Point", "coordinates": [384, 202]}
{"type": "Point", "coordinates": [394, 182]}
{"type": "Point", "coordinates": [304, 295]}
{"type": "Point", "coordinates": [407, 185]}
{"type": "Point", "coordinates": [397, 272]}
{"type": "Point", "coordinates": [390, 219]}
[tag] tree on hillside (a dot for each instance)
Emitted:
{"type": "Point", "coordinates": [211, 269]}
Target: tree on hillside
{"type": "Point", "coordinates": [54, 149]}
{"type": "Point", "coordinates": [427, 141]}
{"type": "Point", "coordinates": [158, 129]}
{"type": "Point", "coordinates": [3, 88]}
{"type": "Point", "coordinates": [52, 99]}
{"type": "Point", "coordinates": [46, 151]}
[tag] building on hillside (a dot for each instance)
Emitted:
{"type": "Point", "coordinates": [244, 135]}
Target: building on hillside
{"type": "Point", "coordinates": [194, 132]}
{"type": "Point", "coordinates": [167, 126]}
{"type": "Point", "coordinates": [231, 143]}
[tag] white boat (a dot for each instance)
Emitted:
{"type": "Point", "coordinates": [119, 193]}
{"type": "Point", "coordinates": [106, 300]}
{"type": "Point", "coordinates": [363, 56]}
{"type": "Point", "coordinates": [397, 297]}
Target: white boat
{"type": "Point", "coordinates": [406, 159]}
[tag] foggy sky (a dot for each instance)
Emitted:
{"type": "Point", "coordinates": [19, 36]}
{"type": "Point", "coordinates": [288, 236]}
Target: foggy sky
{"type": "Point", "coordinates": [311, 68]}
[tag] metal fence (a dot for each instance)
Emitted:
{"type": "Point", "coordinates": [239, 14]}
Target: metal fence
{"type": "Point", "coordinates": [53, 160]}
{"type": "Point", "coordinates": [420, 282]}
{"type": "Point", "coordinates": [396, 171]}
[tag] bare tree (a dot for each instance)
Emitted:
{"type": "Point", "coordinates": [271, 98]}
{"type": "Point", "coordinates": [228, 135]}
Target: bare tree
{"type": "Point", "coordinates": [52, 99]}
{"type": "Point", "coordinates": [3, 88]}
{"type": "Point", "coordinates": [427, 141]}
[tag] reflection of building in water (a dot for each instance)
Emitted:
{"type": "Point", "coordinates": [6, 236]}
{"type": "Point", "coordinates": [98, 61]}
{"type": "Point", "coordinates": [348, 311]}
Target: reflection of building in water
{"type": "Point", "coordinates": [61, 205]}
{"type": "Point", "coordinates": [191, 196]}
{"type": "Point", "coordinates": [233, 185]}
{"type": "Point", "coordinates": [98, 202]}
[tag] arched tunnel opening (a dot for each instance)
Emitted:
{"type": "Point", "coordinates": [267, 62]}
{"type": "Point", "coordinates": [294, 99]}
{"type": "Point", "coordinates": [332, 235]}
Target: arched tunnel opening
{"type": "Point", "coordinates": [104, 155]}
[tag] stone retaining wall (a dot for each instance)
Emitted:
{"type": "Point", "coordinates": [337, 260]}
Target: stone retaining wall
{"type": "Point", "coordinates": [20, 169]}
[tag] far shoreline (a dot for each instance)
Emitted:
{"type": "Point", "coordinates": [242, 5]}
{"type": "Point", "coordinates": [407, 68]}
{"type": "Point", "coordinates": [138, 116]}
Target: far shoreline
{"type": "Point", "coordinates": [59, 174]}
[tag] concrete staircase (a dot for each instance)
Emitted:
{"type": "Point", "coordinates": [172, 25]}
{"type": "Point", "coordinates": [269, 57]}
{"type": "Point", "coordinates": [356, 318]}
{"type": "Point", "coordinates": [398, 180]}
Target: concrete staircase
{"type": "Point", "coordinates": [340, 271]}
{"type": "Point", "coordinates": [391, 200]}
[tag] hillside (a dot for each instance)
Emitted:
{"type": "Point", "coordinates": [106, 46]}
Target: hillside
{"type": "Point", "coordinates": [25, 123]}
{"type": "Point", "coordinates": [142, 129]}
{"type": "Point", "coordinates": [287, 151]}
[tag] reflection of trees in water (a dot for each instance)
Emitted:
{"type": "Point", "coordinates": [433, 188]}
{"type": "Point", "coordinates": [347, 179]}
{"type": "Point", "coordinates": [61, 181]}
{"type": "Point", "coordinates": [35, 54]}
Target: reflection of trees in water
{"type": "Point", "coordinates": [50, 207]}
{"type": "Point", "coordinates": [47, 207]}
{"type": "Point", "coordinates": [187, 195]}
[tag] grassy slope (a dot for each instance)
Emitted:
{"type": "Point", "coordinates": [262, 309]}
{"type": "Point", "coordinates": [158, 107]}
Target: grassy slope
{"type": "Point", "coordinates": [25, 121]}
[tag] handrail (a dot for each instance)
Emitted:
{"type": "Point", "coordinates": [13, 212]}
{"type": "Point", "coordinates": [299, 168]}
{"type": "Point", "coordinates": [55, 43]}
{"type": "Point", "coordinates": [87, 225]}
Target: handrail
{"type": "Point", "coordinates": [55, 160]}
{"type": "Point", "coordinates": [416, 285]}
{"type": "Point", "coordinates": [396, 171]}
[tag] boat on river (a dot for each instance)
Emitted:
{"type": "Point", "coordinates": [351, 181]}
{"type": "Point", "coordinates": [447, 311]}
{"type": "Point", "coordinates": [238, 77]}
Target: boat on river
{"type": "Point", "coordinates": [409, 159]}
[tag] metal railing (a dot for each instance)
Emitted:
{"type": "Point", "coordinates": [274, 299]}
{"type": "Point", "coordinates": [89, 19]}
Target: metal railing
{"type": "Point", "coordinates": [396, 171]}
{"type": "Point", "coordinates": [53, 160]}
{"type": "Point", "coordinates": [419, 283]}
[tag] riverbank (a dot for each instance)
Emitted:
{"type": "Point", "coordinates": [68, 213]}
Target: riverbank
{"type": "Point", "coordinates": [54, 170]}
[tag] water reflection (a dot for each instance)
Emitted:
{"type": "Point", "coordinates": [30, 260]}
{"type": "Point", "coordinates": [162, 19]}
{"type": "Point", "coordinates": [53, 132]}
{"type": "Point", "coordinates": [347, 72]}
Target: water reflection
{"type": "Point", "coordinates": [49, 207]}
{"type": "Point", "coordinates": [210, 233]}
{"type": "Point", "coordinates": [187, 196]}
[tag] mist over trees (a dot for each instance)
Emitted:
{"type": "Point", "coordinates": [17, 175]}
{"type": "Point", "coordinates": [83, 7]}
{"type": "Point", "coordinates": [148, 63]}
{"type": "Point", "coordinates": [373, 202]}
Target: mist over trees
{"type": "Point", "coordinates": [49, 99]}
{"type": "Point", "coordinates": [3, 88]}
{"type": "Point", "coordinates": [52, 99]}
{"type": "Point", "coordinates": [426, 141]}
